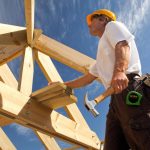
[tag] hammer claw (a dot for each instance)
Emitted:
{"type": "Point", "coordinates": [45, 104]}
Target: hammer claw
{"type": "Point", "coordinates": [87, 107]}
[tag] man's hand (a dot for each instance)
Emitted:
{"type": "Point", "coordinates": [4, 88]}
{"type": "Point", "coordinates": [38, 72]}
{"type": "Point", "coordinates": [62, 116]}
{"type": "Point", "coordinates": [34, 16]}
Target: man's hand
{"type": "Point", "coordinates": [119, 82]}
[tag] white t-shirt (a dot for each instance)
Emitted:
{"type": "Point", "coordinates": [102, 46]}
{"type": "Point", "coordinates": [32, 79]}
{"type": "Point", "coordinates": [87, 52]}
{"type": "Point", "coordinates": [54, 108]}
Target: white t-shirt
{"type": "Point", "coordinates": [103, 67]}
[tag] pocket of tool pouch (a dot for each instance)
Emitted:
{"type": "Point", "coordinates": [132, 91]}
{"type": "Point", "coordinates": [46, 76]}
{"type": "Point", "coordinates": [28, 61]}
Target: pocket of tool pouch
{"type": "Point", "coordinates": [140, 127]}
{"type": "Point", "coordinates": [140, 122]}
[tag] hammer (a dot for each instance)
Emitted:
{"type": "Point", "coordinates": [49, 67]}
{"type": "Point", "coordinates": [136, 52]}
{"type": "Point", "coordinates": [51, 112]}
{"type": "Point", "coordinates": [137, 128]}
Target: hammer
{"type": "Point", "coordinates": [90, 105]}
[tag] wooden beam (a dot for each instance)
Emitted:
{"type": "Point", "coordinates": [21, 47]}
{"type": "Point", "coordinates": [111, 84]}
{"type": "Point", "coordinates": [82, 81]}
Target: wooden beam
{"type": "Point", "coordinates": [55, 87]}
{"type": "Point", "coordinates": [7, 77]}
{"type": "Point", "coordinates": [75, 114]}
{"type": "Point", "coordinates": [14, 38]}
{"type": "Point", "coordinates": [5, 121]}
{"type": "Point", "coordinates": [36, 34]}
{"type": "Point", "coordinates": [12, 45]}
{"type": "Point", "coordinates": [78, 132]}
{"type": "Point", "coordinates": [7, 28]}
{"type": "Point", "coordinates": [47, 67]}
{"type": "Point", "coordinates": [48, 141]}
{"type": "Point", "coordinates": [29, 15]}
{"type": "Point", "coordinates": [5, 143]}
{"type": "Point", "coordinates": [48, 94]}
{"type": "Point", "coordinates": [7, 93]}
{"type": "Point", "coordinates": [54, 96]}
{"type": "Point", "coordinates": [51, 74]}
{"type": "Point", "coordinates": [63, 53]}
{"type": "Point", "coordinates": [32, 114]}
{"type": "Point", "coordinates": [27, 69]}
{"type": "Point", "coordinates": [59, 102]}
{"type": "Point", "coordinates": [10, 52]}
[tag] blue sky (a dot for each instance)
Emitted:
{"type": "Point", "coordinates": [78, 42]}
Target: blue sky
{"type": "Point", "coordinates": [64, 20]}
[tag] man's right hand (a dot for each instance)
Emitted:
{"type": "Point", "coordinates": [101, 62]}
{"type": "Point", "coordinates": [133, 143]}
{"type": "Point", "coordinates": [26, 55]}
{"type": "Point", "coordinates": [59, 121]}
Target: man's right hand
{"type": "Point", "coordinates": [119, 82]}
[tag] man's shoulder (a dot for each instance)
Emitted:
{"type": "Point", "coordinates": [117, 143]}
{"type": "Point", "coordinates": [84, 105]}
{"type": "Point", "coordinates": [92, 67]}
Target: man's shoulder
{"type": "Point", "coordinates": [113, 25]}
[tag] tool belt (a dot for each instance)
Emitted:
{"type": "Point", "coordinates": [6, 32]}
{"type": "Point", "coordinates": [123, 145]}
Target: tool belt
{"type": "Point", "coordinates": [141, 88]}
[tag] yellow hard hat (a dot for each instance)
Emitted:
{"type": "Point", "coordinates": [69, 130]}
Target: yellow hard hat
{"type": "Point", "coordinates": [105, 12]}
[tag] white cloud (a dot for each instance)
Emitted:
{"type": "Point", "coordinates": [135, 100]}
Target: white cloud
{"type": "Point", "coordinates": [133, 13]}
{"type": "Point", "coordinates": [52, 7]}
{"type": "Point", "coordinates": [21, 130]}
{"type": "Point", "coordinates": [105, 4]}
{"type": "Point", "coordinates": [93, 88]}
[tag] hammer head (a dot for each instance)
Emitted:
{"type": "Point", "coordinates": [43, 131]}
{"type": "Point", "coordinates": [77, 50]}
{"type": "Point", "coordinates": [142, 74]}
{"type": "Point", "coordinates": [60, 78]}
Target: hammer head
{"type": "Point", "coordinates": [90, 105]}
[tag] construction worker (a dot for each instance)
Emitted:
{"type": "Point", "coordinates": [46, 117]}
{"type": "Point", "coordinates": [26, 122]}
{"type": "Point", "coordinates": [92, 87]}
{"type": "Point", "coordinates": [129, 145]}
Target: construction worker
{"type": "Point", "coordinates": [117, 65]}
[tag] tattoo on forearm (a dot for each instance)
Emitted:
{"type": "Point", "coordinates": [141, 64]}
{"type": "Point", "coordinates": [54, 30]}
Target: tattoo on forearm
{"type": "Point", "coordinates": [122, 54]}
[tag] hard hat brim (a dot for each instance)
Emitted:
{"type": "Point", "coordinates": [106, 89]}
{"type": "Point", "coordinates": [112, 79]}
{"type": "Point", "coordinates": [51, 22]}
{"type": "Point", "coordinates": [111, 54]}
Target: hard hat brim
{"type": "Point", "coordinates": [108, 13]}
{"type": "Point", "coordinates": [88, 18]}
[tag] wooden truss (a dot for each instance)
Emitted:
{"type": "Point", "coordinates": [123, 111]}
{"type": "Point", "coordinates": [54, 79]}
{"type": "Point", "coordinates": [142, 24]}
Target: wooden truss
{"type": "Point", "coordinates": [36, 110]}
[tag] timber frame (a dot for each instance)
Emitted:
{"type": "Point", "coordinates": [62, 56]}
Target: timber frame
{"type": "Point", "coordinates": [36, 110]}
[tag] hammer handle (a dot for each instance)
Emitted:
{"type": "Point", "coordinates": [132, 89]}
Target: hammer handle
{"type": "Point", "coordinates": [105, 94]}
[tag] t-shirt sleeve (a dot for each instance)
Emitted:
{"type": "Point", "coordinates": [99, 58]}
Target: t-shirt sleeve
{"type": "Point", "coordinates": [116, 32]}
{"type": "Point", "coordinates": [93, 70]}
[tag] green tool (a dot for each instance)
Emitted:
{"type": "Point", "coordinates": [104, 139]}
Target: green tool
{"type": "Point", "coordinates": [133, 97]}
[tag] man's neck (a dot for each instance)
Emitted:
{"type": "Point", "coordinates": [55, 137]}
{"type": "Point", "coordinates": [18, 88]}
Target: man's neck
{"type": "Point", "coordinates": [100, 34]}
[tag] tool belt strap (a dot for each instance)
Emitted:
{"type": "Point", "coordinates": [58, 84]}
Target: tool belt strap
{"type": "Point", "coordinates": [147, 80]}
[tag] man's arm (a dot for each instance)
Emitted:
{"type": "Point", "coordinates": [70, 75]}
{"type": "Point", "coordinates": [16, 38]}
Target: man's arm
{"type": "Point", "coordinates": [82, 81]}
{"type": "Point", "coordinates": [122, 53]}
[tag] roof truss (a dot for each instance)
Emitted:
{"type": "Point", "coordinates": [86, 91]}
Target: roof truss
{"type": "Point", "coordinates": [36, 109]}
